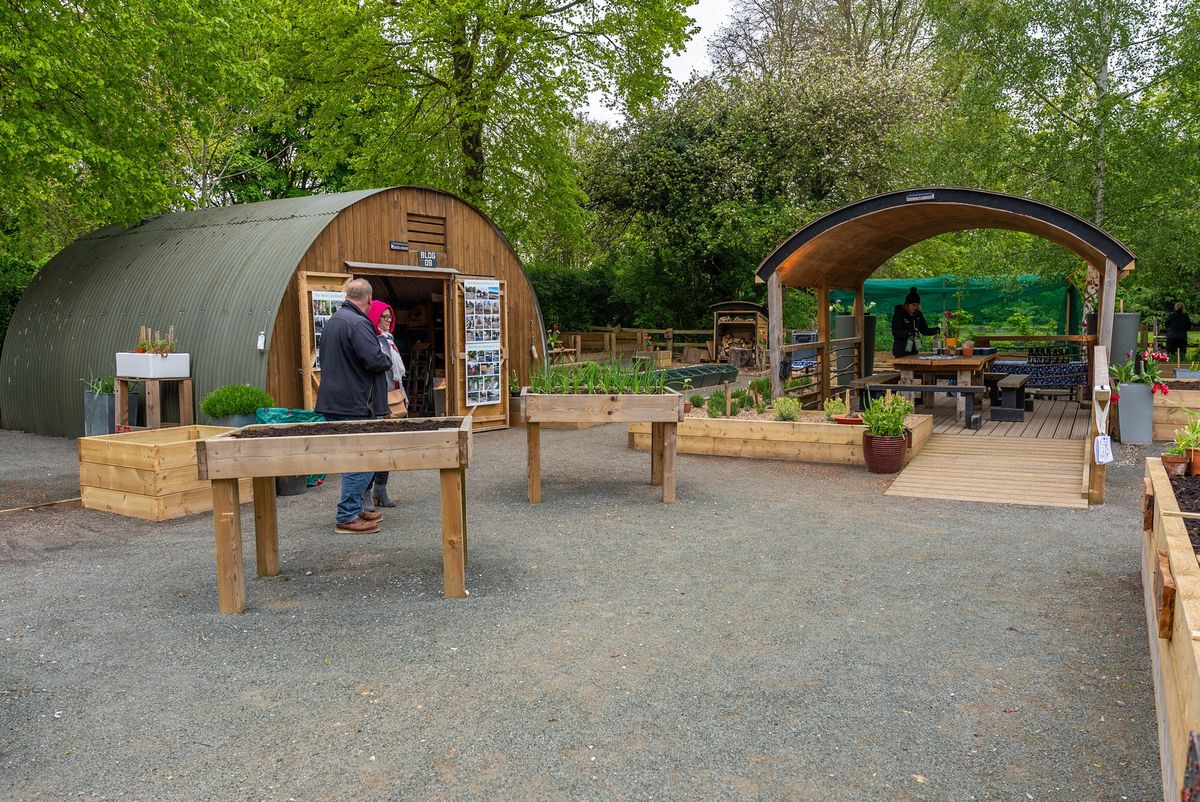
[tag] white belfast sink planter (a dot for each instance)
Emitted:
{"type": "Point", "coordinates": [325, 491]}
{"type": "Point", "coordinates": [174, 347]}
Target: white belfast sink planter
{"type": "Point", "coordinates": [154, 366]}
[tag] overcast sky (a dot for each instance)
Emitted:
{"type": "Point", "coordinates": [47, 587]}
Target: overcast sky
{"type": "Point", "coordinates": [709, 16]}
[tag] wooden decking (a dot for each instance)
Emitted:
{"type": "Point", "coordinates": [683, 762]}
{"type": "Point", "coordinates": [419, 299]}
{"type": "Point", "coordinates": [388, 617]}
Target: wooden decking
{"type": "Point", "coordinates": [1014, 470]}
{"type": "Point", "coordinates": [1051, 419]}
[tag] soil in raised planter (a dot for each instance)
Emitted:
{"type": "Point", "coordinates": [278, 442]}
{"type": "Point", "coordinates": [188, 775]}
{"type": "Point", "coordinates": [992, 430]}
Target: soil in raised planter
{"type": "Point", "coordinates": [1187, 493]}
{"type": "Point", "coordinates": [347, 427]}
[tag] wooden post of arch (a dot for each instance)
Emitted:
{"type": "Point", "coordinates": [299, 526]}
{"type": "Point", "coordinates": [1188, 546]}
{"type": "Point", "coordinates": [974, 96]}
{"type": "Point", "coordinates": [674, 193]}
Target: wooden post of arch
{"type": "Point", "coordinates": [823, 334]}
{"type": "Point", "coordinates": [1108, 303]}
{"type": "Point", "coordinates": [860, 327]}
{"type": "Point", "coordinates": [775, 331]}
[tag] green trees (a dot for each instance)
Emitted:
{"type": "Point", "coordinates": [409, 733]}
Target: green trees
{"type": "Point", "coordinates": [477, 98]}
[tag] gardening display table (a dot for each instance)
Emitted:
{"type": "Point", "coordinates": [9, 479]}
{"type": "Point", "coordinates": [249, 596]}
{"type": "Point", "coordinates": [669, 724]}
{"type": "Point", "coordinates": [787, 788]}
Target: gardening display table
{"type": "Point", "coordinates": [264, 452]}
{"type": "Point", "coordinates": [966, 370]}
{"type": "Point", "coordinates": [153, 402]}
{"type": "Point", "coordinates": [663, 411]}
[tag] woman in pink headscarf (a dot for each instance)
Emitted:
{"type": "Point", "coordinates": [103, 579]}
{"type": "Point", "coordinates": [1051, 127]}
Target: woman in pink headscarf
{"type": "Point", "coordinates": [385, 321]}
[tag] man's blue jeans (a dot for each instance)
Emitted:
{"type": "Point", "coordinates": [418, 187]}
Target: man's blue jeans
{"type": "Point", "coordinates": [350, 505]}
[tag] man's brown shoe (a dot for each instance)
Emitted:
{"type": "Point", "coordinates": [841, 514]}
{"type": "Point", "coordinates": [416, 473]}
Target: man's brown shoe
{"type": "Point", "coordinates": [370, 515]}
{"type": "Point", "coordinates": [357, 527]}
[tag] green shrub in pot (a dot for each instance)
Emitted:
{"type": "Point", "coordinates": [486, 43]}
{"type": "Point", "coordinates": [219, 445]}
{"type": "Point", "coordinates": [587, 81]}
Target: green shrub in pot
{"type": "Point", "coordinates": [232, 404]}
{"type": "Point", "coordinates": [884, 417]}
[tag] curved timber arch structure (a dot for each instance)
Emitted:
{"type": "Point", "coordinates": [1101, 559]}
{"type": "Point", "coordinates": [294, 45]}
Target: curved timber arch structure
{"type": "Point", "coordinates": [842, 249]}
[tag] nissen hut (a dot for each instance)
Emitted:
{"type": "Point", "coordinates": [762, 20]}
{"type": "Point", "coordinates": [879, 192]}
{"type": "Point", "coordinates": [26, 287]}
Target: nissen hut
{"type": "Point", "coordinates": [247, 289]}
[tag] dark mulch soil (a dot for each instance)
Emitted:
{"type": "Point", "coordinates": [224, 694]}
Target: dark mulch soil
{"type": "Point", "coordinates": [1187, 493]}
{"type": "Point", "coordinates": [351, 427]}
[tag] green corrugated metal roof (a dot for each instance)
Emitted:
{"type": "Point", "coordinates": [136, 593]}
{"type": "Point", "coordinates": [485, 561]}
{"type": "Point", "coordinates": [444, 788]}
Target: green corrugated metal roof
{"type": "Point", "coordinates": [217, 274]}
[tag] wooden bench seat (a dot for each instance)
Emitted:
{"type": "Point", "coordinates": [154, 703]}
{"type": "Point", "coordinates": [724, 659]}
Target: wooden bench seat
{"type": "Point", "coordinates": [883, 377]}
{"type": "Point", "coordinates": [1013, 403]}
{"type": "Point", "coordinates": [969, 391]}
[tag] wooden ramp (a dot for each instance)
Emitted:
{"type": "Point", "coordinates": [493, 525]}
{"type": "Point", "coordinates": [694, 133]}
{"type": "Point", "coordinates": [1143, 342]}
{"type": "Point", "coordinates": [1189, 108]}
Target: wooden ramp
{"type": "Point", "coordinates": [1008, 470]}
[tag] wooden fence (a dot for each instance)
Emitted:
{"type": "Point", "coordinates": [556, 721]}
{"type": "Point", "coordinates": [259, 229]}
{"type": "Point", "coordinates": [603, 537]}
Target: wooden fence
{"type": "Point", "coordinates": [615, 342]}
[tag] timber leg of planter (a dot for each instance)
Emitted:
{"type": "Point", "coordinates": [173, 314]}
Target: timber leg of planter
{"type": "Point", "coordinates": [656, 454]}
{"type": "Point", "coordinates": [462, 474]}
{"type": "Point", "coordinates": [668, 462]}
{"type": "Point", "coordinates": [454, 578]}
{"type": "Point", "coordinates": [534, 456]}
{"type": "Point", "coordinates": [266, 526]}
{"type": "Point", "coordinates": [227, 521]}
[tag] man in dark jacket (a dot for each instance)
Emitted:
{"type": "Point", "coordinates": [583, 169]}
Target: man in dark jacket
{"type": "Point", "coordinates": [351, 363]}
{"type": "Point", "coordinates": [908, 324]}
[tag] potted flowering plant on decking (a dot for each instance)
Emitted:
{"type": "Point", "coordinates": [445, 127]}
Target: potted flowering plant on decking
{"type": "Point", "coordinates": [1137, 381]}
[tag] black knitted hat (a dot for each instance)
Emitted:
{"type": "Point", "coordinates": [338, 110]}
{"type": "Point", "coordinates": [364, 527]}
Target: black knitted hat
{"type": "Point", "coordinates": [912, 297]}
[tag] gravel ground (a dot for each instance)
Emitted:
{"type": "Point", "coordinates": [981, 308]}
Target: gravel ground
{"type": "Point", "coordinates": [783, 632]}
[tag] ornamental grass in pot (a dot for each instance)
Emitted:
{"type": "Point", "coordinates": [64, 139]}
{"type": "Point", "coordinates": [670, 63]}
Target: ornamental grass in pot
{"type": "Point", "coordinates": [884, 443]}
{"type": "Point", "coordinates": [235, 404]}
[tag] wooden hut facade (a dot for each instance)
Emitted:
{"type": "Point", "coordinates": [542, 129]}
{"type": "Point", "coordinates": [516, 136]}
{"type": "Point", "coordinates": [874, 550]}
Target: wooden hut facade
{"type": "Point", "coordinates": [467, 314]}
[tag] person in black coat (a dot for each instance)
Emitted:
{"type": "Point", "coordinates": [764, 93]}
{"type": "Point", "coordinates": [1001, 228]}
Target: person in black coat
{"type": "Point", "coordinates": [353, 387]}
{"type": "Point", "coordinates": [908, 324]}
{"type": "Point", "coordinates": [1177, 325]}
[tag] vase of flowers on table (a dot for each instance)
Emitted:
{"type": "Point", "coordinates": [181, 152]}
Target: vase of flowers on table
{"type": "Point", "coordinates": [953, 321]}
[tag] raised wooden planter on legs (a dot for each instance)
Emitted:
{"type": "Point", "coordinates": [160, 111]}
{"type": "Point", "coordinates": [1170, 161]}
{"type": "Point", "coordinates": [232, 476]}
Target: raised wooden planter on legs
{"type": "Point", "coordinates": [1171, 590]}
{"type": "Point", "coordinates": [662, 412]}
{"type": "Point", "coordinates": [338, 449]}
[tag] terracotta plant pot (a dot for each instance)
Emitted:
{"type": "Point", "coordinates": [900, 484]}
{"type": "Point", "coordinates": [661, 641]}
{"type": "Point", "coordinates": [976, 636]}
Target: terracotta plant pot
{"type": "Point", "coordinates": [968, 350]}
{"type": "Point", "coordinates": [1176, 464]}
{"type": "Point", "coordinates": [1193, 455]}
{"type": "Point", "coordinates": [884, 453]}
{"type": "Point", "coordinates": [853, 419]}
{"type": "Point", "coordinates": [687, 407]}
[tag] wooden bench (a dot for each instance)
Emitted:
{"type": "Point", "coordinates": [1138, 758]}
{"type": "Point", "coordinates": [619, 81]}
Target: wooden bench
{"type": "Point", "coordinates": [1013, 403]}
{"type": "Point", "coordinates": [969, 392]}
{"type": "Point", "coordinates": [991, 380]}
{"type": "Point", "coordinates": [883, 377]}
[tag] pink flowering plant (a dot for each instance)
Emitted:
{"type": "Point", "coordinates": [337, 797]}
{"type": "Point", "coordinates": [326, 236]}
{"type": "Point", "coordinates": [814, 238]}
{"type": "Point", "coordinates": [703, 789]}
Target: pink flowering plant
{"type": "Point", "coordinates": [1143, 370]}
{"type": "Point", "coordinates": [552, 337]}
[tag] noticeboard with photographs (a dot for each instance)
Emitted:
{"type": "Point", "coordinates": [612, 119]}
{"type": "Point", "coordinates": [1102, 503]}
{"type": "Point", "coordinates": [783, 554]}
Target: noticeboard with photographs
{"type": "Point", "coordinates": [481, 335]}
{"type": "Point", "coordinates": [324, 304]}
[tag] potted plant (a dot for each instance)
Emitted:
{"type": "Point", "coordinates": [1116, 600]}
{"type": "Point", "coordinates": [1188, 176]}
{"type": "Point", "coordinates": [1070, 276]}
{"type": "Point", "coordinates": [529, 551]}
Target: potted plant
{"type": "Point", "coordinates": [884, 443]}
{"type": "Point", "coordinates": [952, 324]}
{"type": "Point", "coordinates": [1137, 380]}
{"type": "Point", "coordinates": [1192, 371]}
{"type": "Point", "coordinates": [514, 400]}
{"type": "Point", "coordinates": [234, 404]}
{"type": "Point", "coordinates": [99, 406]}
{"type": "Point", "coordinates": [968, 347]}
{"type": "Point", "coordinates": [1175, 460]}
{"type": "Point", "coordinates": [154, 357]}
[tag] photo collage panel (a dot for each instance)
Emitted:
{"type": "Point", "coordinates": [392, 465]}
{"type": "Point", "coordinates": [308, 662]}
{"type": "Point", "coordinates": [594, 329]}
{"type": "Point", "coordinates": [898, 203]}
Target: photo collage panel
{"type": "Point", "coordinates": [324, 304]}
{"type": "Point", "coordinates": [481, 322]}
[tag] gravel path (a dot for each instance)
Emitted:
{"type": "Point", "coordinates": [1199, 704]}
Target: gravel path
{"type": "Point", "coordinates": [783, 632]}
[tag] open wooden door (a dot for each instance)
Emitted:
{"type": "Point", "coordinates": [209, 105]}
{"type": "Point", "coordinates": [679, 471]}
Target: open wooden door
{"type": "Point", "coordinates": [477, 325]}
{"type": "Point", "coordinates": [328, 285]}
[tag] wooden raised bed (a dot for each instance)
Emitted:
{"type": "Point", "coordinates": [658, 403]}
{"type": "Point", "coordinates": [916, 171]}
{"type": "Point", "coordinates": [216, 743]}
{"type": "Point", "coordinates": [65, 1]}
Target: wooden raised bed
{"type": "Point", "coordinates": [147, 474]}
{"type": "Point", "coordinates": [1171, 591]}
{"type": "Point", "coordinates": [764, 439]}
{"type": "Point", "coordinates": [334, 447]}
{"type": "Point", "coordinates": [660, 412]}
{"type": "Point", "coordinates": [1167, 413]}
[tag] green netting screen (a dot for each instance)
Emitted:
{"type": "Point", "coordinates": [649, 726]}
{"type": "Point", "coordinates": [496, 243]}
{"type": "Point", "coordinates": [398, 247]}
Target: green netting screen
{"type": "Point", "coordinates": [1010, 305]}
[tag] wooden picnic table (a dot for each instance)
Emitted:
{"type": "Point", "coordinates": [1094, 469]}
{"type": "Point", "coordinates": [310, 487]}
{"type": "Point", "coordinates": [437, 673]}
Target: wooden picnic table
{"type": "Point", "coordinates": [966, 370]}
